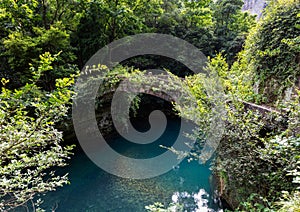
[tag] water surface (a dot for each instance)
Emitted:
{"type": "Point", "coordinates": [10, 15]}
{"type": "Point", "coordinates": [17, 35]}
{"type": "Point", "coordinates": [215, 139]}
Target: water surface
{"type": "Point", "coordinates": [93, 189]}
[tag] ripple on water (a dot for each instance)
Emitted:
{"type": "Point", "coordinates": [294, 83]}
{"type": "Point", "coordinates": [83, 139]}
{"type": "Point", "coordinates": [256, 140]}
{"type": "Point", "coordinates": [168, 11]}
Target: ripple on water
{"type": "Point", "coordinates": [92, 189]}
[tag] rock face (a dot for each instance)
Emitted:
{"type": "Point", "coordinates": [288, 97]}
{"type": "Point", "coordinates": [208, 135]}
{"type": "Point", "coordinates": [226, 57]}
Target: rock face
{"type": "Point", "coordinates": [254, 6]}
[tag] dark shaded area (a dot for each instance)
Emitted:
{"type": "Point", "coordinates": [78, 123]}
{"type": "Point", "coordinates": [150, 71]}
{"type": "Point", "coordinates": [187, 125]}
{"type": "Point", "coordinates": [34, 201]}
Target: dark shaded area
{"type": "Point", "coordinates": [139, 120]}
{"type": "Point", "coordinates": [147, 62]}
{"type": "Point", "coordinates": [142, 150]}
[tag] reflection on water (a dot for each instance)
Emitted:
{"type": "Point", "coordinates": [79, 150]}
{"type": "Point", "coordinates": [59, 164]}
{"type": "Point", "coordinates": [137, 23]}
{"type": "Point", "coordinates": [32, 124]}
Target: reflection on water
{"type": "Point", "coordinates": [194, 202]}
{"type": "Point", "coordinates": [93, 189]}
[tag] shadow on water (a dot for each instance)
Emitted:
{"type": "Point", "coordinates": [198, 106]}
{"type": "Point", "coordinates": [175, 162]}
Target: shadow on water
{"type": "Point", "coordinates": [93, 189]}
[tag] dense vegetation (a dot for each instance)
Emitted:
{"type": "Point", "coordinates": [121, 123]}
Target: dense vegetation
{"type": "Point", "coordinates": [258, 158]}
{"type": "Point", "coordinates": [79, 28]}
{"type": "Point", "coordinates": [257, 161]}
{"type": "Point", "coordinates": [30, 142]}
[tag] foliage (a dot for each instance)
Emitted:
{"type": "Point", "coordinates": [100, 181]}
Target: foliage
{"type": "Point", "coordinates": [109, 79]}
{"type": "Point", "coordinates": [30, 143]}
{"type": "Point", "coordinates": [231, 25]}
{"type": "Point", "coordinates": [272, 49]}
{"type": "Point", "coordinates": [105, 21]}
{"type": "Point", "coordinates": [255, 203]}
{"type": "Point", "coordinates": [22, 49]}
{"type": "Point", "coordinates": [199, 22]}
{"type": "Point", "coordinates": [80, 28]}
{"type": "Point", "coordinates": [237, 79]}
{"type": "Point", "coordinates": [258, 158]}
{"type": "Point", "coordinates": [289, 202]}
{"type": "Point", "coordinates": [30, 28]}
{"type": "Point", "coordinates": [186, 19]}
{"type": "Point", "coordinates": [259, 151]}
{"type": "Point", "coordinates": [159, 207]}
{"type": "Point", "coordinates": [259, 154]}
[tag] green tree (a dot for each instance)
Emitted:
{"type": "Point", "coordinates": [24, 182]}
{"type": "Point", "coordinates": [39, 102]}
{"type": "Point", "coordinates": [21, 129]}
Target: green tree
{"type": "Point", "coordinates": [105, 21]}
{"type": "Point", "coordinates": [30, 28]}
{"type": "Point", "coordinates": [189, 20]}
{"type": "Point", "coordinates": [272, 49]}
{"type": "Point", "coordinates": [29, 142]}
{"type": "Point", "coordinates": [231, 26]}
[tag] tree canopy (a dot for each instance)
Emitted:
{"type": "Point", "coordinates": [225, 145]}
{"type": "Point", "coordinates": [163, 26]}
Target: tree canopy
{"type": "Point", "coordinates": [43, 43]}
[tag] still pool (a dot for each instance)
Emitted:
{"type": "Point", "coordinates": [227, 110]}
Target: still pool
{"type": "Point", "coordinates": [92, 189]}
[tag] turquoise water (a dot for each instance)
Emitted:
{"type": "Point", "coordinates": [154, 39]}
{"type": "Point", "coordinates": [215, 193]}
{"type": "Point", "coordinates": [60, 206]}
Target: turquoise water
{"type": "Point", "coordinates": [92, 189]}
